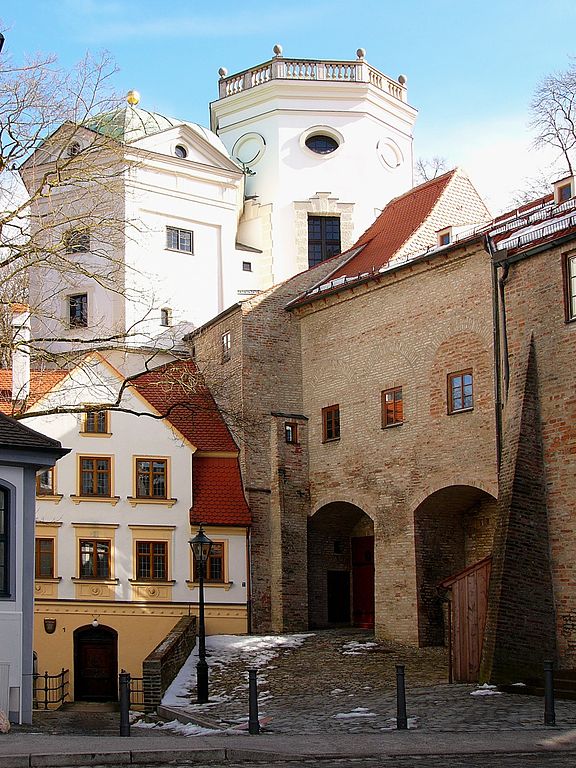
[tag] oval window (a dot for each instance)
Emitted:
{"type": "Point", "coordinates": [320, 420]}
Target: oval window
{"type": "Point", "coordinates": [180, 151]}
{"type": "Point", "coordinates": [321, 144]}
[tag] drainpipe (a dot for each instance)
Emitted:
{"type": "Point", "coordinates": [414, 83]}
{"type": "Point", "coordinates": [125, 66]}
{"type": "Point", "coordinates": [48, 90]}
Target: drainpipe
{"type": "Point", "coordinates": [501, 363]}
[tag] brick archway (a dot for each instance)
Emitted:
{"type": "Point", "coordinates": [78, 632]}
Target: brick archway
{"type": "Point", "coordinates": [453, 529]}
{"type": "Point", "coordinates": [340, 566]}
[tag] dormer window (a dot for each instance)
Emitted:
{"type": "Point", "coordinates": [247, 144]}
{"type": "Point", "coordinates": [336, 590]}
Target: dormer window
{"type": "Point", "coordinates": [445, 236]}
{"type": "Point", "coordinates": [564, 190]}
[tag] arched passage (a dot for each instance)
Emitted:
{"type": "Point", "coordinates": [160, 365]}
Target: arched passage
{"type": "Point", "coordinates": [95, 664]}
{"type": "Point", "coordinates": [340, 566]}
{"type": "Point", "coordinates": [453, 529]}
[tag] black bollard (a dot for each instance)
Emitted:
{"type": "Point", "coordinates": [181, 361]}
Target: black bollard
{"type": "Point", "coordinates": [401, 719]}
{"type": "Point", "coordinates": [549, 713]}
{"type": "Point", "coordinates": [124, 686]}
{"type": "Point", "coordinates": [253, 722]}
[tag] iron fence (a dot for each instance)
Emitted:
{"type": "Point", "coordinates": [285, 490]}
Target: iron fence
{"type": "Point", "coordinates": [50, 691]}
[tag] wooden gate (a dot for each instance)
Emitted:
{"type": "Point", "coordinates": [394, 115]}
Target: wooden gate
{"type": "Point", "coordinates": [468, 605]}
{"type": "Point", "coordinates": [95, 664]}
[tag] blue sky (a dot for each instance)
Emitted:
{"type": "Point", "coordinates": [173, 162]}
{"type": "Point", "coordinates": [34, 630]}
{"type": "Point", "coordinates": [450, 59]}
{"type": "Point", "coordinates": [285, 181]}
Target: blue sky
{"type": "Point", "coordinates": [471, 66]}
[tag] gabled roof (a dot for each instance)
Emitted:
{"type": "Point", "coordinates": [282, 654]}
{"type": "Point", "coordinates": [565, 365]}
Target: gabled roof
{"type": "Point", "coordinates": [405, 230]}
{"type": "Point", "coordinates": [41, 382]}
{"type": "Point", "coordinates": [218, 498]}
{"type": "Point", "coordinates": [392, 229]}
{"type": "Point", "coordinates": [177, 390]}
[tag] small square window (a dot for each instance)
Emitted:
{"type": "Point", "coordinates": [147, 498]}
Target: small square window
{"type": "Point", "coordinates": [444, 238]}
{"type": "Point", "coordinates": [78, 310]}
{"type": "Point", "coordinates": [45, 483]}
{"type": "Point", "coordinates": [96, 422]}
{"type": "Point", "coordinates": [179, 239]}
{"type": "Point", "coordinates": [330, 423]}
{"type": "Point", "coordinates": [247, 266]}
{"type": "Point", "coordinates": [564, 193]}
{"type": "Point", "coordinates": [291, 432]}
{"type": "Point", "coordinates": [392, 407]}
{"type": "Point", "coordinates": [460, 391]}
{"type": "Point", "coordinates": [226, 346]}
{"type": "Point", "coordinates": [76, 240]}
{"type": "Point", "coordinates": [166, 317]}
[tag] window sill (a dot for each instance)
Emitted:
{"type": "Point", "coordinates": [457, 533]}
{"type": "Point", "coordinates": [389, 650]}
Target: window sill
{"type": "Point", "coordinates": [391, 426]}
{"type": "Point", "coordinates": [94, 580]}
{"type": "Point", "coordinates": [178, 250]}
{"type": "Point", "coordinates": [135, 500]}
{"type": "Point", "coordinates": [48, 579]}
{"type": "Point", "coordinates": [95, 434]}
{"type": "Point", "coordinates": [219, 584]}
{"type": "Point", "coordinates": [460, 410]}
{"type": "Point", "coordinates": [152, 582]}
{"type": "Point", "coordinates": [331, 440]}
{"type": "Point", "coordinates": [56, 497]}
{"type": "Point", "coordinates": [102, 499]}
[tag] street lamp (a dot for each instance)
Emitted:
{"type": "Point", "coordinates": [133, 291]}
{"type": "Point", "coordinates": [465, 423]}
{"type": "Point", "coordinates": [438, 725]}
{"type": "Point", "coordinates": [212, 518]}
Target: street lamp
{"type": "Point", "coordinates": [201, 547]}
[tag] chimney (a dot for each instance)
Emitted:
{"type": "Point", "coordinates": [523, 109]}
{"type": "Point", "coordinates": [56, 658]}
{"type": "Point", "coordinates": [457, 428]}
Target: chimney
{"type": "Point", "coordinates": [20, 352]}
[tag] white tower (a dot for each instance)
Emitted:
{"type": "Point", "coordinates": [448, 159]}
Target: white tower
{"type": "Point", "coordinates": [325, 145]}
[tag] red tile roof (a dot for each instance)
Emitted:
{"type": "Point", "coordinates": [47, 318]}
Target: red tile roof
{"type": "Point", "coordinates": [395, 225]}
{"type": "Point", "coordinates": [41, 382]}
{"type": "Point", "coordinates": [177, 390]}
{"type": "Point", "coordinates": [217, 492]}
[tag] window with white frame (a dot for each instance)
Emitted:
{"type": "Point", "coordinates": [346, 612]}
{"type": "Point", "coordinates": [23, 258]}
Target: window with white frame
{"type": "Point", "coordinates": [179, 239]}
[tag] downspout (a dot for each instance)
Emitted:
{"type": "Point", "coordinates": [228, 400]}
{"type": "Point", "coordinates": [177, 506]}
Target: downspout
{"type": "Point", "coordinates": [501, 364]}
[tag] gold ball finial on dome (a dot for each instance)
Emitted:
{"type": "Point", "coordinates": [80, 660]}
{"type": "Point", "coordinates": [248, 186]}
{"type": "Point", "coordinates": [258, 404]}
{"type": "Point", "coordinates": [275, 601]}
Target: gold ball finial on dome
{"type": "Point", "coordinates": [133, 97]}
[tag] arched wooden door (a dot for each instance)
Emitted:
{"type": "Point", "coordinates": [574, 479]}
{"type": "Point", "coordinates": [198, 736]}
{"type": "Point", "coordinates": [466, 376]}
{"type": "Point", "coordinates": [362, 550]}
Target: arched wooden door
{"type": "Point", "coordinates": [95, 664]}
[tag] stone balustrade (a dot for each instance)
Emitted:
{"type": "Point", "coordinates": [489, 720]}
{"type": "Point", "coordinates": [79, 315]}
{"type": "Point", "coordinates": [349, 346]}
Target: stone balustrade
{"type": "Point", "coordinates": [280, 68]}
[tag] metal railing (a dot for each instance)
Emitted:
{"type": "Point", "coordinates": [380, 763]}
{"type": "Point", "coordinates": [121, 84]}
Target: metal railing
{"type": "Point", "coordinates": [50, 691]}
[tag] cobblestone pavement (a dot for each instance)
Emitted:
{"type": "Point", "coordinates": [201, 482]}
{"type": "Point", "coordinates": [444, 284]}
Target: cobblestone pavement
{"type": "Point", "coordinates": [343, 681]}
{"type": "Point", "coordinates": [335, 682]}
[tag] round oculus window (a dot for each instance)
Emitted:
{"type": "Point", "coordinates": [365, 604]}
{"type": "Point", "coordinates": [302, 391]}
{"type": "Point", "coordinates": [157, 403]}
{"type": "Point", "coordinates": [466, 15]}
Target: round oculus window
{"type": "Point", "coordinates": [321, 144]}
{"type": "Point", "coordinates": [180, 151]}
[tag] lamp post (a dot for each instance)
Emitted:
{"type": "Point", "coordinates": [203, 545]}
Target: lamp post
{"type": "Point", "coordinates": [201, 546]}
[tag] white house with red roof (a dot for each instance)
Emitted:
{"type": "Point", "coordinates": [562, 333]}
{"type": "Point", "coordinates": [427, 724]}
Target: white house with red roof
{"type": "Point", "coordinates": [113, 569]}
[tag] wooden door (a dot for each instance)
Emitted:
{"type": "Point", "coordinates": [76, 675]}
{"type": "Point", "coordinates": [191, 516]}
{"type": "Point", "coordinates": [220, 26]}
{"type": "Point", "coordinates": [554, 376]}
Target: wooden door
{"type": "Point", "coordinates": [95, 664]}
{"type": "Point", "coordinates": [468, 606]}
{"type": "Point", "coordinates": [363, 581]}
{"type": "Point", "coordinates": [338, 586]}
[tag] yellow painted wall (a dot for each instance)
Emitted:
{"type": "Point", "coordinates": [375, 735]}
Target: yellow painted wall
{"type": "Point", "coordinates": [140, 629]}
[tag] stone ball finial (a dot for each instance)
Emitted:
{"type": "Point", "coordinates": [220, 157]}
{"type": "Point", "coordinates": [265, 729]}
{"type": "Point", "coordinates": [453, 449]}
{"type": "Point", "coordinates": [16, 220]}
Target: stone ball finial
{"type": "Point", "coordinates": [361, 53]}
{"type": "Point", "coordinates": [132, 97]}
{"type": "Point", "coordinates": [222, 71]}
{"type": "Point", "coordinates": [277, 49]}
{"type": "Point", "coordinates": [402, 79]}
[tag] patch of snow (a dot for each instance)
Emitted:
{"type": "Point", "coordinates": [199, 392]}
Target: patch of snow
{"type": "Point", "coordinates": [355, 648]}
{"type": "Point", "coordinates": [256, 651]}
{"type": "Point", "coordinates": [519, 685]}
{"type": "Point", "coordinates": [485, 690]}
{"type": "Point", "coordinates": [357, 712]}
{"type": "Point", "coordinates": [337, 690]}
{"type": "Point", "coordinates": [391, 723]}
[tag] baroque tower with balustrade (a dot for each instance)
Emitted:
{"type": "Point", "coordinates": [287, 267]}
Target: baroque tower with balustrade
{"type": "Point", "coordinates": [324, 144]}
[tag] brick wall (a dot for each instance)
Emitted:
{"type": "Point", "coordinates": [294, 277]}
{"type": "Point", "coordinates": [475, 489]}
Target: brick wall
{"type": "Point", "coordinates": [162, 665]}
{"type": "Point", "coordinates": [411, 329]}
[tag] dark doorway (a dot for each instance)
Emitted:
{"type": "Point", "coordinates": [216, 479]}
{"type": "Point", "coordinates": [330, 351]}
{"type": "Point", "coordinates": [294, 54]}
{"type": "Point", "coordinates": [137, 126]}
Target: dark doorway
{"type": "Point", "coordinates": [95, 664]}
{"type": "Point", "coordinates": [363, 581]}
{"type": "Point", "coordinates": [338, 597]}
